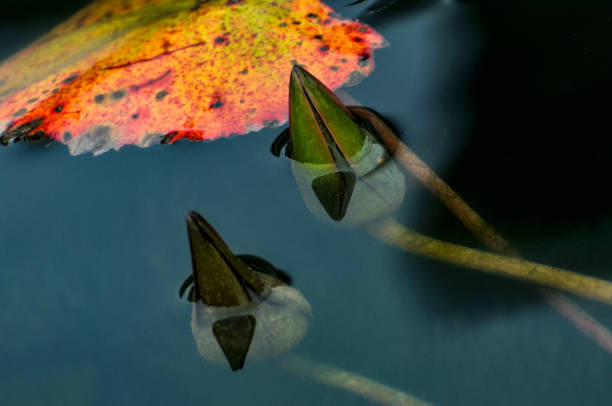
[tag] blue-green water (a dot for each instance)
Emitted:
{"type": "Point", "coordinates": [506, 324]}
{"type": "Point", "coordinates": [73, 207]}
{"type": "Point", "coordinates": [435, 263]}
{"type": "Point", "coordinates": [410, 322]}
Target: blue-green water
{"type": "Point", "coordinates": [94, 250]}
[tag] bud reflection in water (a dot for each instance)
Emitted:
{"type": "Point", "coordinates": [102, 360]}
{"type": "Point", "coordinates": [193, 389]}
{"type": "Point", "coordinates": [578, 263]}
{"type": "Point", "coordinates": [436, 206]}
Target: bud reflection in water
{"type": "Point", "coordinates": [242, 305]}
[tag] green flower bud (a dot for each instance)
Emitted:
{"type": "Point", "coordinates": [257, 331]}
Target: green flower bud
{"type": "Point", "coordinates": [239, 311]}
{"type": "Point", "coordinates": [343, 171]}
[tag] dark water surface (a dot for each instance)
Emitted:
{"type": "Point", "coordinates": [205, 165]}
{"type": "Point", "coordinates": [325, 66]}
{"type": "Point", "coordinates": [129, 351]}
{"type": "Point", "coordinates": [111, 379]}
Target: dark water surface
{"type": "Point", "coordinates": [508, 102]}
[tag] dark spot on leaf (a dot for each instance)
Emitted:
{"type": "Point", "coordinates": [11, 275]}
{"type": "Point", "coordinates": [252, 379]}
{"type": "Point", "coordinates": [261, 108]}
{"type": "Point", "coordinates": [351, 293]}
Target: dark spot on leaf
{"type": "Point", "coordinates": [32, 100]}
{"type": "Point", "coordinates": [216, 104]}
{"type": "Point", "coordinates": [334, 68]}
{"type": "Point", "coordinates": [118, 94]}
{"type": "Point", "coordinates": [299, 43]}
{"type": "Point", "coordinates": [312, 15]}
{"type": "Point", "coordinates": [135, 116]}
{"type": "Point", "coordinates": [363, 59]}
{"type": "Point", "coordinates": [324, 48]}
{"type": "Point", "coordinates": [45, 91]}
{"type": "Point", "coordinates": [99, 98]}
{"type": "Point", "coordinates": [327, 21]}
{"type": "Point", "coordinates": [161, 94]}
{"type": "Point", "coordinates": [20, 112]}
{"type": "Point", "coordinates": [363, 29]}
{"type": "Point", "coordinates": [58, 108]}
{"type": "Point", "coordinates": [108, 14]}
{"type": "Point", "coordinates": [232, 2]}
{"type": "Point", "coordinates": [253, 110]}
{"type": "Point", "coordinates": [54, 90]}
{"type": "Point", "coordinates": [220, 40]}
{"type": "Point", "coordinates": [70, 79]}
{"type": "Point", "coordinates": [244, 71]}
{"type": "Point", "coordinates": [343, 60]}
{"type": "Point", "coordinates": [283, 24]}
{"type": "Point", "coordinates": [241, 101]}
{"type": "Point", "coordinates": [357, 39]}
{"type": "Point", "coordinates": [67, 136]}
{"type": "Point", "coordinates": [296, 22]}
{"type": "Point", "coordinates": [319, 37]}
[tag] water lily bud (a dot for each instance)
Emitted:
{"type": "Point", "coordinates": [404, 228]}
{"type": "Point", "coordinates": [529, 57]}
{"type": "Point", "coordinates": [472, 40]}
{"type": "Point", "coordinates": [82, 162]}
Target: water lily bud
{"type": "Point", "coordinates": [239, 310]}
{"type": "Point", "coordinates": [343, 171]}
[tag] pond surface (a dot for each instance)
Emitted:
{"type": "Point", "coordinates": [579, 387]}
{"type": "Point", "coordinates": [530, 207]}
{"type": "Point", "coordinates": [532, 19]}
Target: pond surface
{"type": "Point", "coordinates": [506, 102]}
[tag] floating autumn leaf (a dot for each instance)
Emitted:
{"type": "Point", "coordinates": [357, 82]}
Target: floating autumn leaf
{"type": "Point", "coordinates": [138, 72]}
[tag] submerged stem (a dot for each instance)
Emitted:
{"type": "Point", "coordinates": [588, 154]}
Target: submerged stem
{"type": "Point", "coordinates": [421, 171]}
{"type": "Point", "coordinates": [394, 233]}
{"type": "Point", "coordinates": [478, 227]}
{"type": "Point", "coordinates": [351, 382]}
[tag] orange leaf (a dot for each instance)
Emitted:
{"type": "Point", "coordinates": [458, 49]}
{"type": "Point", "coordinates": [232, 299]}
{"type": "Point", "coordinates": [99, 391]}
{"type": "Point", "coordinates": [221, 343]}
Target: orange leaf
{"type": "Point", "coordinates": [136, 72]}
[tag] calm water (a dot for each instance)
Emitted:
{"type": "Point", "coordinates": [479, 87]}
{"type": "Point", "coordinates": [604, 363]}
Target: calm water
{"type": "Point", "coordinates": [506, 103]}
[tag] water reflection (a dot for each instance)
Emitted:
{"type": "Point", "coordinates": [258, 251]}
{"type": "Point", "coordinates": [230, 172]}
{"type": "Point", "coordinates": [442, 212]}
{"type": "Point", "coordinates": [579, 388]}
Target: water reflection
{"type": "Point", "coordinates": [242, 305]}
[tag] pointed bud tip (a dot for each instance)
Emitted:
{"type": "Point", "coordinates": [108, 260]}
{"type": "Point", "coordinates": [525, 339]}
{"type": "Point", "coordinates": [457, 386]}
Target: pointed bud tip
{"type": "Point", "coordinates": [193, 219]}
{"type": "Point", "coordinates": [298, 69]}
{"type": "Point", "coordinates": [297, 74]}
{"type": "Point", "coordinates": [193, 216]}
{"type": "Point", "coordinates": [301, 75]}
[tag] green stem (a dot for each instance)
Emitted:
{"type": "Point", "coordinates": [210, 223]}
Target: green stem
{"type": "Point", "coordinates": [479, 228]}
{"type": "Point", "coordinates": [428, 178]}
{"type": "Point", "coordinates": [351, 382]}
{"type": "Point", "coordinates": [394, 233]}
